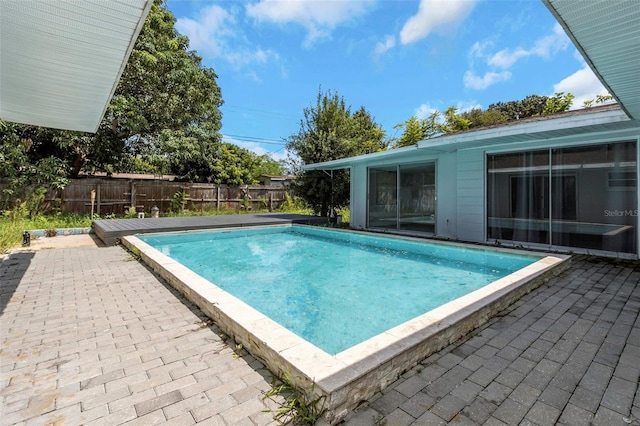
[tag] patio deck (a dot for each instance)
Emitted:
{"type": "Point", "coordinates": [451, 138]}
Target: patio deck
{"type": "Point", "coordinates": [89, 337]}
{"type": "Point", "coordinates": [109, 230]}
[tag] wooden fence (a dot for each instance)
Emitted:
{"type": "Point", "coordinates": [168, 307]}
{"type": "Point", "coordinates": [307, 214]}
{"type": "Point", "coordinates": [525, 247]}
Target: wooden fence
{"type": "Point", "coordinates": [117, 196]}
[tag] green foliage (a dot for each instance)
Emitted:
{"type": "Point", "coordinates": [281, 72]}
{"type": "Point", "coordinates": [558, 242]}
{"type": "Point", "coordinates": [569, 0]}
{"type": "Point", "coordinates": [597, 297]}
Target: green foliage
{"type": "Point", "coordinates": [12, 227]}
{"type": "Point", "coordinates": [131, 213]}
{"type": "Point", "coordinates": [25, 179]}
{"type": "Point", "coordinates": [416, 129]}
{"type": "Point", "coordinates": [295, 407]}
{"type": "Point", "coordinates": [479, 118]}
{"type": "Point", "coordinates": [266, 165]}
{"type": "Point", "coordinates": [530, 106]}
{"type": "Point", "coordinates": [164, 113]}
{"type": "Point", "coordinates": [558, 103]}
{"type": "Point", "coordinates": [454, 122]}
{"type": "Point", "coordinates": [294, 204]}
{"type": "Point", "coordinates": [330, 131]}
{"type": "Point", "coordinates": [178, 201]}
{"type": "Point", "coordinates": [600, 99]}
{"type": "Point", "coordinates": [233, 165]}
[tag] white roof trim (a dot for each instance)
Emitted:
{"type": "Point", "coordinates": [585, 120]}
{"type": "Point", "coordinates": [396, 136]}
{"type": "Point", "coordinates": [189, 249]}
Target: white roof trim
{"type": "Point", "coordinates": [607, 35]}
{"type": "Point", "coordinates": [345, 163]}
{"type": "Point", "coordinates": [544, 128]}
{"type": "Point", "coordinates": [61, 60]}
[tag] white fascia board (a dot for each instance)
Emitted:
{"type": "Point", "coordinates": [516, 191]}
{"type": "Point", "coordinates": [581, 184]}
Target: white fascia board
{"type": "Point", "coordinates": [345, 163]}
{"type": "Point", "coordinates": [548, 126]}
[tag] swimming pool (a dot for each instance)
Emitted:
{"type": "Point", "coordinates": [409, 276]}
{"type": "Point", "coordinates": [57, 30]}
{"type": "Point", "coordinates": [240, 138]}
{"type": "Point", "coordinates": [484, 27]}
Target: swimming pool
{"type": "Point", "coordinates": [355, 369]}
{"type": "Point", "coordinates": [335, 289]}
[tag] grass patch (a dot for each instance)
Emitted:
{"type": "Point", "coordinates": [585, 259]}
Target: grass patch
{"type": "Point", "coordinates": [294, 407]}
{"type": "Point", "coordinates": [11, 228]}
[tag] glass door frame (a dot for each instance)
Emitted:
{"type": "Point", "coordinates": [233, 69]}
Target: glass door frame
{"type": "Point", "coordinates": [550, 148]}
{"type": "Point", "coordinates": [398, 171]}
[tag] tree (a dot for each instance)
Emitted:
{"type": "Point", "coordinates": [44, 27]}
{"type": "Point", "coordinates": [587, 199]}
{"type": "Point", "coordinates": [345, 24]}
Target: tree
{"type": "Point", "coordinates": [267, 166]}
{"type": "Point", "coordinates": [455, 122]}
{"type": "Point", "coordinates": [329, 131]}
{"type": "Point", "coordinates": [480, 118]}
{"type": "Point", "coordinates": [164, 93]}
{"type": "Point", "coordinates": [530, 106]}
{"type": "Point", "coordinates": [558, 103]}
{"type": "Point", "coordinates": [417, 129]}
{"type": "Point", "coordinates": [600, 99]}
{"type": "Point", "coordinates": [233, 165]}
{"type": "Point", "coordinates": [25, 180]}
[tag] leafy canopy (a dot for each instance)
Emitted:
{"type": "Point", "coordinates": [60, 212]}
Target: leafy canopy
{"type": "Point", "coordinates": [330, 131]}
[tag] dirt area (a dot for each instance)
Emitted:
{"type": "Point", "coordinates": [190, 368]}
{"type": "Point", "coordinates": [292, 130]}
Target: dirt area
{"type": "Point", "coordinates": [64, 241]}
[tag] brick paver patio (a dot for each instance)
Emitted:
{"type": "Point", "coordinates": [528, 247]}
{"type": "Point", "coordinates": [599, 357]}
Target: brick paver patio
{"type": "Point", "coordinates": [90, 336]}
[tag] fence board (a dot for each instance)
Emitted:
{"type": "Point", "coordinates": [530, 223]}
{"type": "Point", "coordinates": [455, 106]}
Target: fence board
{"type": "Point", "coordinates": [116, 196]}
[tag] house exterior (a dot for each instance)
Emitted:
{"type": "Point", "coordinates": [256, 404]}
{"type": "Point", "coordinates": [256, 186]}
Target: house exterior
{"type": "Point", "coordinates": [565, 182]}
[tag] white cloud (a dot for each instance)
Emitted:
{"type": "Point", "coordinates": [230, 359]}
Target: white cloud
{"type": "Point", "coordinates": [478, 49]}
{"type": "Point", "coordinates": [424, 111]}
{"type": "Point", "coordinates": [583, 84]}
{"type": "Point", "coordinates": [214, 33]}
{"type": "Point", "coordinates": [466, 106]}
{"type": "Point", "coordinates": [506, 58]}
{"type": "Point", "coordinates": [382, 47]}
{"type": "Point", "coordinates": [473, 81]}
{"type": "Point", "coordinates": [499, 63]}
{"type": "Point", "coordinates": [551, 44]}
{"type": "Point", "coordinates": [544, 47]}
{"type": "Point", "coordinates": [319, 18]}
{"type": "Point", "coordinates": [435, 16]}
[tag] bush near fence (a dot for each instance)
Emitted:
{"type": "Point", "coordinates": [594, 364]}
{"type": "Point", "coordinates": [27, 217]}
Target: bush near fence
{"type": "Point", "coordinates": [117, 196]}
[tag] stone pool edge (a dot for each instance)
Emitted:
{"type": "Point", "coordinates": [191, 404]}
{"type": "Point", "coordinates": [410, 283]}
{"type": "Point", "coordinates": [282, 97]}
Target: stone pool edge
{"type": "Point", "coordinates": [346, 379]}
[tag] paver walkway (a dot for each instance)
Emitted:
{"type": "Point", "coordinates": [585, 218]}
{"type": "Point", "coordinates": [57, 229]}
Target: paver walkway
{"type": "Point", "coordinates": [567, 353]}
{"type": "Point", "coordinates": [90, 336]}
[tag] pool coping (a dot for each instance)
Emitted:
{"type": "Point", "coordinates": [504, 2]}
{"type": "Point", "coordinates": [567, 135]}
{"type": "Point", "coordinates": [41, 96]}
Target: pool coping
{"type": "Point", "coordinates": [344, 380]}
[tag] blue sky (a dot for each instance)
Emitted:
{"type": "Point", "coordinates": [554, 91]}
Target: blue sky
{"type": "Point", "coordinates": [395, 58]}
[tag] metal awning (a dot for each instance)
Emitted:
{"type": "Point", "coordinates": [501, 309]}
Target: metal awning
{"type": "Point", "coordinates": [607, 34]}
{"type": "Point", "coordinates": [61, 60]}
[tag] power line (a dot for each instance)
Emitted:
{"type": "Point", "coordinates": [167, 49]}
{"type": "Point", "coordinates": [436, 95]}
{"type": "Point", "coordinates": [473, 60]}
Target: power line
{"type": "Point", "coordinates": [243, 138]}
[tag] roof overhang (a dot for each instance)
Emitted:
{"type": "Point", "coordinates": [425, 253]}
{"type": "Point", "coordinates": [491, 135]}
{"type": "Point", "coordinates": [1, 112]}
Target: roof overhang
{"type": "Point", "coordinates": [607, 34]}
{"type": "Point", "coordinates": [398, 154]}
{"type": "Point", "coordinates": [544, 128]}
{"type": "Point", "coordinates": [608, 120]}
{"type": "Point", "coordinates": [61, 60]}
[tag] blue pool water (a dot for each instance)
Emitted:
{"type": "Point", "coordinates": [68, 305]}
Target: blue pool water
{"type": "Point", "coordinates": [335, 289]}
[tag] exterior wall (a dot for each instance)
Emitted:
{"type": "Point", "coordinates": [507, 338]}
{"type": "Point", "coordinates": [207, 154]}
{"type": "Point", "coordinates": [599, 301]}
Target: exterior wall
{"type": "Point", "coordinates": [446, 205]}
{"type": "Point", "coordinates": [461, 184]}
{"type": "Point", "coordinates": [470, 195]}
{"type": "Point", "coordinates": [359, 192]}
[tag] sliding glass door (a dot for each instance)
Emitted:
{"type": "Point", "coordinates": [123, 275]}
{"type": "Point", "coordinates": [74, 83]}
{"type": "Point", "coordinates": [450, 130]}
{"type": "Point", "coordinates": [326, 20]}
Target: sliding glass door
{"type": "Point", "coordinates": [383, 197]}
{"type": "Point", "coordinates": [584, 197]}
{"type": "Point", "coordinates": [403, 197]}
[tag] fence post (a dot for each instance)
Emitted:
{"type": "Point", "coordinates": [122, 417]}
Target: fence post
{"type": "Point", "coordinates": [98, 199]}
{"type": "Point", "coordinates": [133, 194]}
{"type": "Point", "coordinates": [217, 197]}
